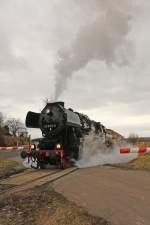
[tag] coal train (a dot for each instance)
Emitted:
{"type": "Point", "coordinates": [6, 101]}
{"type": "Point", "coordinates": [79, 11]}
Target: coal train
{"type": "Point", "coordinates": [63, 131]}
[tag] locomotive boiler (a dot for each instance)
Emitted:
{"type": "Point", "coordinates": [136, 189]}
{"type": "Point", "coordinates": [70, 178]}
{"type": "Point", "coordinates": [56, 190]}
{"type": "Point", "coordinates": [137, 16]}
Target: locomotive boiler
{"type": "Point", "coordinates": [63, 131]}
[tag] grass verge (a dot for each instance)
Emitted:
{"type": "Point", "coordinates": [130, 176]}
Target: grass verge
{"type": "Point", "coordinates": [142, 162]}
{"type": "Point", "coordinates": [9, 167]}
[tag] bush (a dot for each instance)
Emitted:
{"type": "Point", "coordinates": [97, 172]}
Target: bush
{"type": "Point", "coordinates": [2, 141]}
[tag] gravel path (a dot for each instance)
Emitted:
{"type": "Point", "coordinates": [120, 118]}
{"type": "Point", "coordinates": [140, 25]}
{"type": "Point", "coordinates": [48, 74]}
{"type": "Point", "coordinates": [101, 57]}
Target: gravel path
{"type": "Point", "coordinates": [120, 196]}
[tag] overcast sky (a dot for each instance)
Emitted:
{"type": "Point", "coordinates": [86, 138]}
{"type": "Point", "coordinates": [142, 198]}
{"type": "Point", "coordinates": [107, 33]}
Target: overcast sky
{"type": "Point", "coordinates": [92, 54]}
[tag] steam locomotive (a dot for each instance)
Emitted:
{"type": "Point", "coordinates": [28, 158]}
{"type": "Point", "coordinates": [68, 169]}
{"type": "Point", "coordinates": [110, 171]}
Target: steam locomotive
{"type": "Point", "coordinates": [63, 130]}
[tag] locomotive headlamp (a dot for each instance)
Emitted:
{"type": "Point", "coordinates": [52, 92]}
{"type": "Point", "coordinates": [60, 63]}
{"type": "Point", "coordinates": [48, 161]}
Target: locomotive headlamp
{"type": "Point", "coordinates": [48, 111]}
{"type": "Point", "coordinates": [58, 146]}
{"type": "Point", "coordinates": [33, 147]}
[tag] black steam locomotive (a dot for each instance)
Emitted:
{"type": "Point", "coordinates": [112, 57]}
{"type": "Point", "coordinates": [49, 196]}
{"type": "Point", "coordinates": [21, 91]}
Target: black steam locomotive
{"type": "Point", "coordinates": [62, 131]}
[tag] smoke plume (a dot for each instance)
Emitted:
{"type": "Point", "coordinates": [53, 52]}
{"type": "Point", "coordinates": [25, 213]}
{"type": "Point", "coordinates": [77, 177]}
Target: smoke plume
{"type": "Point", "coordinates": [94, 152]}
{"type": "Point", "coordinates": [105, 39]}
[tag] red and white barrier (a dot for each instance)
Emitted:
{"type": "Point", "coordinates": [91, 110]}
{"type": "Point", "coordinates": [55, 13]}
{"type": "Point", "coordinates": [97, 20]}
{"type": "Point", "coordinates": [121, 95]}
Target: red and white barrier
{"type": "Point", "coordinates": [126, 150]}
{"type": "Point", "coordinates": [15, 148]}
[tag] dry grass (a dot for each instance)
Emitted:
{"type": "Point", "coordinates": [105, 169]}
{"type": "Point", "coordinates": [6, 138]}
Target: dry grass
{"type": "Point", "coordinates": [8, 167]}
{"type": "Point", "coordinates": [140, 163]}
{"type": "Point", "coordinates": [43, 206]}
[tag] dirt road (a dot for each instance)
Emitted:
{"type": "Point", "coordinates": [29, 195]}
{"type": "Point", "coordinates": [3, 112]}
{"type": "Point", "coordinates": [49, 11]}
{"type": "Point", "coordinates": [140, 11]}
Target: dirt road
{"type": "Point", "coordinates": [120, 196]}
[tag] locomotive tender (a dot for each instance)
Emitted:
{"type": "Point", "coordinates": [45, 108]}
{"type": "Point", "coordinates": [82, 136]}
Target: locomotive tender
{"type": "Point", "coordinates": [63, 131]}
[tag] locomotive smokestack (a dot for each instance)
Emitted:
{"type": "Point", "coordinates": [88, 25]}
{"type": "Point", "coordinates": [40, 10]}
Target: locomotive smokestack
{"type": "Point", "coordinates": [104, 39]}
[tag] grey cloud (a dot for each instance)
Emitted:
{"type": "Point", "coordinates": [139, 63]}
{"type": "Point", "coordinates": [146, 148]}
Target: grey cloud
{"type": "Point", "coordinates": [104, 45]}
{"type": "Point", "coordinates": [97, 86]}
{"type": "Point", "coordinates": [8, 61]}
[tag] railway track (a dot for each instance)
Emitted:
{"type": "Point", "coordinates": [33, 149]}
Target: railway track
{"type": "Point", "coordinates": [31, 179]}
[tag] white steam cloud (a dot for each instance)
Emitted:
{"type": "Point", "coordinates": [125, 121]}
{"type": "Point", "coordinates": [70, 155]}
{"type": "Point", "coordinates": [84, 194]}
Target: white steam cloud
{"type": "Point", "coordinates": [94, 152]}
{"type": "Point", "coordinates": [104, 39]}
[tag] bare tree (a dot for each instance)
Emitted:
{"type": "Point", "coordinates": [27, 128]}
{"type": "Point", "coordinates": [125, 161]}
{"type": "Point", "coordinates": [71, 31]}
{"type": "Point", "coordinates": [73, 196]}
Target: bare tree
{"type": "Point", "coordinates": [133, 138]}
{"type": "Point", "coordinates": [15, 125]}
{"type": "Point", "coordinates": [1, 119]}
